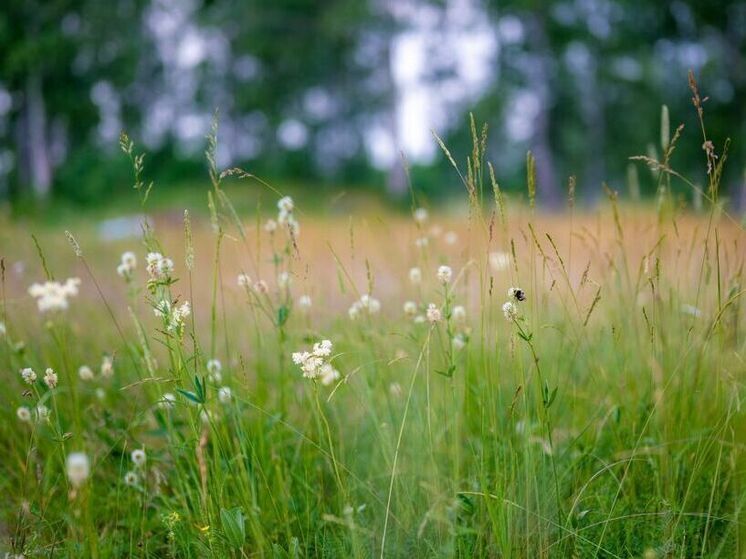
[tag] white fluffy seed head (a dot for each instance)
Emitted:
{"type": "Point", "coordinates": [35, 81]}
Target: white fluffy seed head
{"type": "Point", "coordinates": [130, 478]}
{"type": "Point", "coordinates": [304, 302]}
{"type": "Point", "coordinates": [23, 414]}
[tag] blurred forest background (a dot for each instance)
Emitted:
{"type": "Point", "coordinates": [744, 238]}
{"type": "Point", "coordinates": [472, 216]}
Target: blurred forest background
{"type": "Point", "coordinates": [327, 94]}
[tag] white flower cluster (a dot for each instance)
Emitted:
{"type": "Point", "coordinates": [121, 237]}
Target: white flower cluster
{"type": "Point", "coordinates": [174, 316]}
{"type": "Point", "coordinates": [127, 265]}
{"type": "Point", "coordinates": [28, 375]}
{"type": "Point", "coordinates": [159, 267]}
{"type": "Point", "coordinates": [139, 458]}
{"type": "Point", "coordinates": [444, 274]}
{"type": "Point", "coordinates": [315, 363]}
{"type": "Point", "coordinates": [285, 215]}
{"type": "Point", "coordinates": [366, 304]}
{"type": "Point", "coordinates": [259, 287]}
{"type": "Point", "coordinates": [214, 370]}
{"type": "Point", "coordinates": [53, 295]}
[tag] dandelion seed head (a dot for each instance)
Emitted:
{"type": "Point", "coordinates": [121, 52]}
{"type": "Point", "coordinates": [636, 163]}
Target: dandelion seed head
{"type": "Point", "coordinates": [131, 478]}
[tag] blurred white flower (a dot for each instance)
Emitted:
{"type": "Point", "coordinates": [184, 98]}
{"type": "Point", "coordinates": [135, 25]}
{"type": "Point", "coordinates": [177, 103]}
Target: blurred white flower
{"type": "Point", "coordinates": [510, 311]}
{"type": "Point", "coordinates": [459, 314]}
{"type": "Point", "coordinates": [285, 204]}
{"type": "Point", "coordinates": [283, 280]}
{"type": "Point", "coordinates": [50, 378]}
{"type": "Point", "coordinates": [214, 370]}
{"type": "Point", "coordinates": [444, 274]}
{"type": "Point", "coordinates": [328, 374]}
{"type": "Point", "coordinates": [85, 373]}
{"type": "Point", "coordinates": [130, 478]}
{"type": "Point", "coordinates": [224, 395]}
{"type": "Point", "coordinates": [420, 215]}
{"type": "Point", "coordinates": [451, 238]}
{"type": "Point", "coordinates": [138, 457]}
{"type": "Point", "coordinates": [244, 280]}
{"type": "Point", "coordinates": [52, 296]}
{"type": "Point", "coordinates": [78, 468]}
{"type": "Point", "coordinates": [458, 342]}
{"type": "Point", "coordinates": [415, 276]}
{"type": "Point", "coordinates": [260, 287]}
{"type": "Point", "coordinates": [499, 261]}
{"type": "Point", "coordinates": [270, 226]}
{"type": "Point", "coordinates": [395, 389]}
{"type": "Point", "coordinates": [107, 366]}
{"type": "Point", "coordinates": [691, 310]}
{"type": "Point", "coordinates": [433, 314]}
{"type": "Point", "coordinates": [410, 308]}
{"type": "Point", "coordinates": [421, 242]}
{"type": "Point", "coordinates": [127, 264]}
{"type": "Point", "coordinates": [23, 414]}
{"type": "Point", "coordinates": [304, 302]}
{"type": "Point", "coordinates": [167, 401]}
{"type": "Point", "coordinates": [313, 363]}
{"type": "Point", "coordinates": [42, 412]}
{"type": "Point", "coordinates": [158, 266]}
{"type": "Point", "coordinates": [28, 375]}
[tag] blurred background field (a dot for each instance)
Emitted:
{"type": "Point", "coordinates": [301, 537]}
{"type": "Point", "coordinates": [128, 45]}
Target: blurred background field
{"type": "Point", "coordinates": [326, 96]}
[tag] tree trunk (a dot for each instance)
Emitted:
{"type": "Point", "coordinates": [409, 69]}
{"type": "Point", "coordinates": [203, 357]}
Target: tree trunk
{"type": "Point", "coordinates": [548, 189]}
{"type": "Point", "coordinates": [35, 165]}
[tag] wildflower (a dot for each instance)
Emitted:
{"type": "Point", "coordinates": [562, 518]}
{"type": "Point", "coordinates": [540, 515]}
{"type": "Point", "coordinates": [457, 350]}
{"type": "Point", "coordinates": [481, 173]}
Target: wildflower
{"type": "Point", "coordinates": [130, 478]}
{"type": "Point", "coordinates": [28, 375]}
{"type": "Point", "coordinates": [328, 374]}
{"type": "Point", "coordinates": [244, 280]}
{"type": "Point", "coordinates": [458, 342]}
{"type": "Point", "coordinates": [174, 316]}
{"type": "Point", "coordinates": [50, 378]}
{"type": "Point", "coordinates": [444, 274]}
{"type": "Point", "coordinates": [415, 276]}
{"type": "Point", "coordinates": [410, 308]}
{"type": "Point", "coordinates": [691, 310]}
{"type": "Point", "coordinates": [433, 314]}
{"type": "Point", "coordinates": [451, 238]}
{"type": "Point", "coordinates": [224, 395]}
{"type": "Point", "coordinates": [304, 302]}
{"type": "Point", "coordinates": [206, 415]}
{"type": "Point", "coordinates": [283, 280]}
{"type": "Point", "coordinates": [52, 295]}
{"type": "Point", "coordinates": [78, 468]}
{"type": "Point", "coordinates": [42, 413]}
{"type": "Point", "coordinates": [23, 414]}
{"type": "Point", "coordinates": [270, 226]}
{"type": "Point", "coordinates": [421, 242]}
{"type": "Point", "coordinates": [138, 457]}
{"type": "Point", "coordinates": [159, 267]}
{"type": "Point", "coordinates": [420, 215]}
{"type": "Point", "coordinates": [214, 370]}
{"type": "Point", "coordinates": [107, 366]}
{"type": "Point", "coordinates": [459, 314]}
{"type": "Point", "coordinates": [354, 311]}
{"type": "Point", "coordinates": [85, 373]}
{"type": "Point", "coordinates": [314, 363]}
{"type": "Point", "coordinates": [285, 216]}
{"type": "Point", "coordinates": [167, 402]}
{"type": "Point", "coordinates": [285, 204]}
{"type": "Point", "coordinates": [371, 304]}
{"type": "Point", "coordinates": [499, 261]}
{"type": "Point", "coordinates": [510, 311]}
{"type": "Point", "coordinates": [260, 287]}
{"type": "Point", "coordinates": [127, 265]}
{"type": "Point", "coordinates": [516, 293]}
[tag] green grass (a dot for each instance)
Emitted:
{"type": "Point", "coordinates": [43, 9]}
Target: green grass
{"type": "Point", "coordinates": [605, 420]}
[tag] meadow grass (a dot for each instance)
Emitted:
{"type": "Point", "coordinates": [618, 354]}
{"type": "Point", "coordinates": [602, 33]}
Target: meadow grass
{"type": "Point", "coordinates": [597, 413]}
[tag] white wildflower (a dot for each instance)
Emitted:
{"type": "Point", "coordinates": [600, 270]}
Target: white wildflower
{"type": "Point", "coordinates": [285, 204]}
{"type": "Point", "coordinates": [127, 264]}
{"type": "Point", "coordinates": [78, 468]}
{"type": "Point", "coordinates": [415, 276]}
{"type": "Point", "coordinates": [421, 242]}
{"type": "Point", "coordinates": [328, 374]}
{"type": "Point", "coordinates": [313, 363]}
{"type": "Point", "coordinates": [138, 457]}
{"type": "Point", "coordinates": [28, 375]}
{"type": "Point", "coordinates": [52, 296]}
{"type": "Point", "coordinates": [107, 366]}
{"type": "Point", "coordinates": [101, 394]}
{"type": "Point", "coordinates": [458, 342]}
{"type": "Point", "coordinates": [444, 274]}
{"type": "Point", "coordinates": [130, 478]}
{"type": "Point", "coordinates": [283, 280]}
{"type": "Point", "coordinates": [459, 314]}
{"type": "Point", "coordinates": [224, 395]}
{"type": "Point", "coordinates": [260, 287]}
{"type": "Point", "coordinates": [244, 280]}
{"type": "Point", "coordinates": [354, 311]}
{"type": "Point", "coordinates": [304, 302]}
{"type": "Point", "coordinates": [215, 370]}
{"type": "Point", "coordinates": [85, 373]}
{"type": "Point", "coordinates": [270, 226]}
{"type": "Point", "coordinates": [433, 314]}
{"type": "Point", "coordinates": [367, 304]}
{"type": "Point", "coordinates": [42, 412]}
{"type": "Point", "coordinates": [420, 215]}
{"type": "Point", "coordinates": [510, 310]}
{"type": "Point", "coordinates": [410, 308]}
{"type": "Point", "coordinates": [499, 261]}
{"type": "Point", "coordinates": [420, 319]}
{"type": "Point", "coordinates": [50, 378]}
{"type": "Point", "coordinates": [23, 414]}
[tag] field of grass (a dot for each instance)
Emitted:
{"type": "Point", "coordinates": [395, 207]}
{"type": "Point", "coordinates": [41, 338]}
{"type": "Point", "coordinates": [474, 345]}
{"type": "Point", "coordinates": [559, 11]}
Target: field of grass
{"type": "Point", "coordinates": [595, 413]}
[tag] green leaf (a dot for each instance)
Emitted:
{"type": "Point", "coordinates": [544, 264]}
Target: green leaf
{"type": "Point", "coordinates": [234, 526]}
{"type": "Point", "coordinates": [551, 398]}
{"type": "Point", "coordinates": [190, 395]}
{"type": "Point", "coordinates": [282, 315]}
